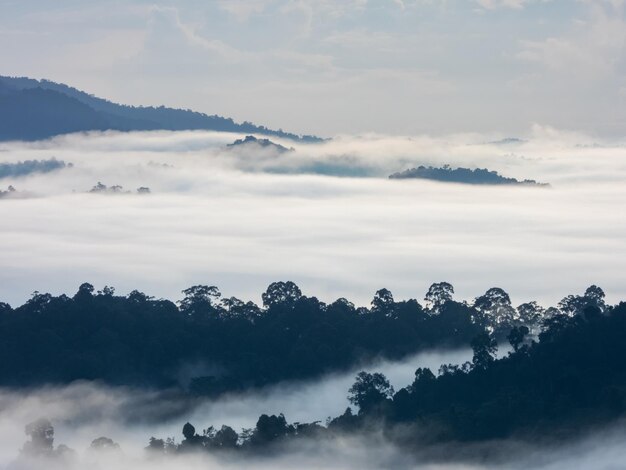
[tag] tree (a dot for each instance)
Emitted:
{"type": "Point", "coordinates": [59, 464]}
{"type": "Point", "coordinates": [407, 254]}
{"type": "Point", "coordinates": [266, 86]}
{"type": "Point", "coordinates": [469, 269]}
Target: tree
{"type": "Point", "coordinates": [156, 445]}
{"type": "Point", "coordinates": [200, 300]}
{"type": "Point", "coordinates": [226, 438]}
{"type": "Point", "coordinates": [438, 294]}
{"type": "Point", "coordinates": [281, 293]}
{"type": "Point", "coordinates": [530, 313]}
{"type": "Point", "coordinates": [38, 301]}
{"type": "Point", "coordinates": [189, 431]}
{"type": "Point", "coordinates": [424, 375]}
{"type": "Point", "coordinates": [232, 305]}
{"type": "Point", "coordinates": [192, 440]}
{"type": "Point", "coordinates": [576, 304]}
{"type": "Point", "coordinates": [41, 435]}
{"type": "Point", "coordinates": [85, 291]}
{"type": "Point", "coordinates": [369, 390]}
{"type": "Point", "coordinates": [595, 297]}
{"type": "Point", "coordinates": [107, 291]}
{"type": "Point", "coordinates": [270, 428]}
{"type": "Point", "coordinates": [495, 310]}
{"type": "Point", "coordinates": [342, 304]}
{"type": "Point", "coordinates": [138, 297]}
{"type": "Point", "coordinates": [5, 308]}
{"type": "Point", "coordinates": [573, 305]}
{"type": "Point", "coordinates": [383, 302]}
{"type": "Point", "coordinates": [517, 335]}
{"type": "Point", "coordinates": [484, 348]}
{"type": "Point", "coordinates": [105, 444]}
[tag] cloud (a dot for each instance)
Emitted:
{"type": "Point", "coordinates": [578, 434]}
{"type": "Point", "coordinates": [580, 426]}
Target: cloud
{"type": "Point", "coordinates": [244, 9]}
{"type": "Point", "coordinates": [330, 67]}
{"type": "Point", "coordinates": [593, 47]}
{"type": "Point", "coordinates": [168, 18]}
{"type": "Point", "coordinates": [242, 221]}
{"type": "Point", "coordinates": [493, 4]}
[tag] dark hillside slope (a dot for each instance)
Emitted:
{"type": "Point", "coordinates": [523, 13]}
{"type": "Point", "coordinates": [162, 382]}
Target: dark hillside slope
{"type": "Point", "coordinates": [36, 113]}
{"type": "Point", "coordinates": [57, 116]}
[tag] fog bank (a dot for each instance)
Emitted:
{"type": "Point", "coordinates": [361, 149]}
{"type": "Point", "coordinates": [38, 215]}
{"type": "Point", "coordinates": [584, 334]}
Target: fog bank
{"type": "Point", "coordinates": [84, 411]}
{"type": "Point", "coordinates": [242, 218]}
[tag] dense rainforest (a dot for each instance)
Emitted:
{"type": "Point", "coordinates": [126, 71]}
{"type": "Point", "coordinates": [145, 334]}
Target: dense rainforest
{"type": "Point", "coordinates": [563, 379]}
{"type": "Point", "coordinates": [140, 341]}
{"type": "Point", "coordinates": [568, 380]}
{"type": "Point", "coordinates": [228, 344]}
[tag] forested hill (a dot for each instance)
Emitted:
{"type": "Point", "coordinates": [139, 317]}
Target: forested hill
{"type": "Point", "coordinates": [567, 382]}
{"type": "Point", "coordinates": [141, 341]}
{"type": "Point", "coordinates": [38, 109]}
{"type": "Point", "coordinates": [447, 174]}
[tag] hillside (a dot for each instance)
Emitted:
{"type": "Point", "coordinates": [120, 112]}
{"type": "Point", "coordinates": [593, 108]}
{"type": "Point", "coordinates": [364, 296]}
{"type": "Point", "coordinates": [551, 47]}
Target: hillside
{"type": "Point", "coordinates": [38, 109]}
{"type": "Point", "coordinates": [461, 175]}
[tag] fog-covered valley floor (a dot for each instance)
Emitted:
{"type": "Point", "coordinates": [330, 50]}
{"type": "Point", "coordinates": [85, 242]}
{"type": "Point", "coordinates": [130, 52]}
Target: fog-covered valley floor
{"type": "Point", "coordinates": [323, 215]}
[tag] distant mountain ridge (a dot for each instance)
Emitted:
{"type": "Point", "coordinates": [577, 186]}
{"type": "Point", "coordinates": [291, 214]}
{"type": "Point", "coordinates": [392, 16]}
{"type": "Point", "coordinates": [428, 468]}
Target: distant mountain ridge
{"type": "Point", "coordinates": [250, 140]}
{"type": "Point", "coordinates": [461, 175]}
{"type": "Point", "coordinates": [38, 109]}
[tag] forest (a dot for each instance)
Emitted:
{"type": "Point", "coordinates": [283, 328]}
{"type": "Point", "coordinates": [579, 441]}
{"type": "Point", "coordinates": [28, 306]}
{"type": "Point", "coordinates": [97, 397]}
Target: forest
{"type": "Point", "coordinates": [461, 175]}
{"type": "Point", "coordinates": [564, 374]}
{"type": "Point", "coordinates": [31, 166]}
{"type": "Point", "coordinates": [141, 341]}
{"type": "Point", "coordinates": [232, 345]}
{"type": "Point", "coordinates": [568, 380]}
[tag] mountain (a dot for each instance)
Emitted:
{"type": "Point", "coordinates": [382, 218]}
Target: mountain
{"type": "Point", "coordinates": [38, 109]}
{"type": "Point", "coordinates": [252, 142]}
{"type": "Point", "coordinates": [461, 175]}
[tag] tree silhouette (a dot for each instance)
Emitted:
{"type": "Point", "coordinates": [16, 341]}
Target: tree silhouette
{"type": "Point", "coordinates": [369, 390]}
{"type": "Point", "coordinates": [104, 444]}
{"type": "Point", "coordinates": [438, 294]}
{"type": "Point", "coordinates": [484, 348]}
{"type": "Point", "coordinates": [383, 302]}
{"type": "Point", "coordinates": [517, 335]}
{"type": "Point", "coordinates": [225, 438]}
{"type": "Point", "coordinates": [285, 294]}
{"type": "Point", "coordinates": [200, 301]}
{"type": "Point", "coordinates": [494, 308]}
{"type": "Point", "coordinates": [270, 428]}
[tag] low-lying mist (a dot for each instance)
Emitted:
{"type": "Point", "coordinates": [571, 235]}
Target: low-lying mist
{"type": "Point", "coordinates": [85, 411]}
{"type": "Point", "coordinates": [242, 218]}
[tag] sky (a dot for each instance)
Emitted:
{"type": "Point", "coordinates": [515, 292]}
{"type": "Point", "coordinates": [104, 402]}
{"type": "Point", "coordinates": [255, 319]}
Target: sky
{"type": "Point", "coordinates": [333, 67]}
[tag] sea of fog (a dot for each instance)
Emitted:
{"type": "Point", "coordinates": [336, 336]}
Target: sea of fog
{"type": "Point", "coordinates": [323, 215]}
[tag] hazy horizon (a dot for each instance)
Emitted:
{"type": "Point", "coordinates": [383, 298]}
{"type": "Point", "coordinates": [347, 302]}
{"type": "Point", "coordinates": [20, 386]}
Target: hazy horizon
{"type": "Point", "coordinates": [328, 68]}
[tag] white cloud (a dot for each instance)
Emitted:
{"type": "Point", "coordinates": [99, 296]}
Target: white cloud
{"type": "Point", "coordinates": [227, 219]}
{"type": "Point", "coordinates": [592, 48]}
{"type": "Point", "coordinates": [494, 4]}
